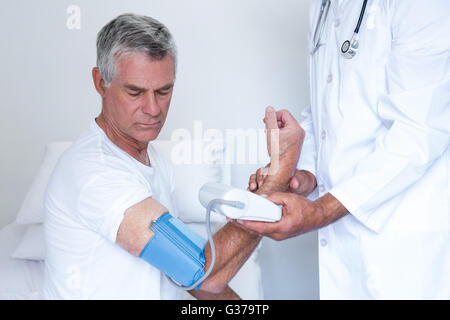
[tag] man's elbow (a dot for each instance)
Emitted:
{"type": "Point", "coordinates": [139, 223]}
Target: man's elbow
{"type": "Point", "coordinates": [213, 285]}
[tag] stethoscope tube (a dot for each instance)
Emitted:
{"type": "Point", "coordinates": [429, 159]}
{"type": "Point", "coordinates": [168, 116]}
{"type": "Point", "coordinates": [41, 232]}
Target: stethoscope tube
{"type": "Point", "coordinates": [361, 16]}
{"type": "Point", "coordinates": [350, 47]}
{"type": "Point", "coordinates": [320, 26]}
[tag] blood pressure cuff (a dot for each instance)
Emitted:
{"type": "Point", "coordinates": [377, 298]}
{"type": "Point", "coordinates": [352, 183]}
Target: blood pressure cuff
{"type": "Point", "coordinates": [175, 250]}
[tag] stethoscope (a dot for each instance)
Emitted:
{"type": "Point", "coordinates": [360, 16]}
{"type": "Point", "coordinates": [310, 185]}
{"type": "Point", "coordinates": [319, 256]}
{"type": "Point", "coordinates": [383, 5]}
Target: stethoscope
{"type": "Point", "coordinates": [350, 47]}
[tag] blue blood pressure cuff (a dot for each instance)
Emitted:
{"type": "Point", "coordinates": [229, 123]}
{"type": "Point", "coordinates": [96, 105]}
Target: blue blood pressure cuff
{"type": "Point", "coordinates": [176, 251]}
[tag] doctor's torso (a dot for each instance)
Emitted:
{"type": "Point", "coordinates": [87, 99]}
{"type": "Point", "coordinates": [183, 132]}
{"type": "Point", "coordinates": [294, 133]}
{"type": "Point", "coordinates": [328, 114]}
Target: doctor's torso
{"type": "Point", "coordinates": [345, 92]}
{"type": "Point", "coordinates": [405, 255]}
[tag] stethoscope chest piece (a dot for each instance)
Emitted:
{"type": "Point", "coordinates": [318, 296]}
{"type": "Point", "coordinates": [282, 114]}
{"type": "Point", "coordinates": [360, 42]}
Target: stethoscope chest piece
{"type": "Point", "coordinates": [350, 47]}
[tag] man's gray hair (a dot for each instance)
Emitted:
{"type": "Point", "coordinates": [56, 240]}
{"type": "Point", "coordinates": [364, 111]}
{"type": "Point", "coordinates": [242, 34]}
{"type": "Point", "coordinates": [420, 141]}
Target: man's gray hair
{"type": "Point", "coordinates": [130, 33]}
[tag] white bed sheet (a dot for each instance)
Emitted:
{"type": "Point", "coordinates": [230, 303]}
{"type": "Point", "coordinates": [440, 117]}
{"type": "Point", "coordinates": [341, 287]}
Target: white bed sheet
{"type": "Point", "coordinates": [19, 279]}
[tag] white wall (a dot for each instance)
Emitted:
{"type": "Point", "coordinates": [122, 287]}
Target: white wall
{"type": "Point", "coordinates": [235, 58]}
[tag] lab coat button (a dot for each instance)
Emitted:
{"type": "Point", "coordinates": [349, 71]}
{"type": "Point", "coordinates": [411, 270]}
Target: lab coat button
{"type": "Point", "coordinates": [330, 78]}
{"type": "Point", "coordinates": [337, 23]}
{"type": "Point", "coordinates": [324, 134]}
{"type": "Point", "coordinates": [323, 242]}
{"type": "Point", "coordinates": [321, 188]}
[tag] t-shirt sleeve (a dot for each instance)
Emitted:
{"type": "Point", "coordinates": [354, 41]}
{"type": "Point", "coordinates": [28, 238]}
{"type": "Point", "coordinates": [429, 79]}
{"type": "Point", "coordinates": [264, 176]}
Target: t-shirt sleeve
{"type": "Point", "coordinates": [105, 198]}
{"type": "Point", "coordinates": [171, 185]}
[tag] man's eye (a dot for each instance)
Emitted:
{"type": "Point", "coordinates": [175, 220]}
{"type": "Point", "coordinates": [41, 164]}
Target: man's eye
{"type": "Point", "coordinates": [164, 93]}
{"type": "Point", "coordinates": [134, 94]}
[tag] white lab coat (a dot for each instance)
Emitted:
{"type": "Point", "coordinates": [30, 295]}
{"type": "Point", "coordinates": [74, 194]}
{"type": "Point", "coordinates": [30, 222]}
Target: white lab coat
{"type": "Point", "coordinates": [377, 138]}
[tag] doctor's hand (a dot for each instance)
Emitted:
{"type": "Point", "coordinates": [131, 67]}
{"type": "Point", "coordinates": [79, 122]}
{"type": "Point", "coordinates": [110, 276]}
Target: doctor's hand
{"type": "Point", "coordinates": [302, 183]}
{"type": "Point", "coordinates": [300, 215]}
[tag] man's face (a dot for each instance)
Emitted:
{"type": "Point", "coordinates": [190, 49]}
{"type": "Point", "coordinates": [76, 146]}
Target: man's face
{"type": "Point", "coordinates": [138, 99]}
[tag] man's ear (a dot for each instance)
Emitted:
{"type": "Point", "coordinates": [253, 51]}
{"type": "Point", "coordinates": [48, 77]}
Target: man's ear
{"type": "Point", "coordinates": [99, 83]}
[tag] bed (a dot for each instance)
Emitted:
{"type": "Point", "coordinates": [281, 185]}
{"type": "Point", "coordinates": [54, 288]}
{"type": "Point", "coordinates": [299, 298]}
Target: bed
{"type": "Point", "coordinates": [19, 278]}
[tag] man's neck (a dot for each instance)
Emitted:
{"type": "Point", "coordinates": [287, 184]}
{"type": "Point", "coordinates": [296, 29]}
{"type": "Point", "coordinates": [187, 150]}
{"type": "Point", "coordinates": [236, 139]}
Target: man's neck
{"type": "Point", "coordinates": [134, 148]}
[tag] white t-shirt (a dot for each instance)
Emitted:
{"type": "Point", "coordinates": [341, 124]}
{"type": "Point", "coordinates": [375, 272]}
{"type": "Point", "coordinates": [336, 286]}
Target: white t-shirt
{"type": "Point", "coordinates": [92, 186]}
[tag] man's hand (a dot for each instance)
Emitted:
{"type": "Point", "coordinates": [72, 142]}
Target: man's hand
{"type": "Point", "coordinates": [300, 215]}
{"type": "Point", "coordinates": [302, 183]}
{"type": "Point", "coordinates": [290, 133]}
{"type": "Point", "coordinates": [284, 142]}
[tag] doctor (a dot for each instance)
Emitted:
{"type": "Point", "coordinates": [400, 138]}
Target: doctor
{"type": "Point", "coordinates": [376, 147]}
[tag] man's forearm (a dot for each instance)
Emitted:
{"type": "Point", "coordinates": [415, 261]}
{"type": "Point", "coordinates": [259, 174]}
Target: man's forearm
{"type": "Point", "coordinates": [226, 294]}
{"type": "Point", "coordinates": [234, 246]}
{"type": "Point", "coordinates": [278, 182]}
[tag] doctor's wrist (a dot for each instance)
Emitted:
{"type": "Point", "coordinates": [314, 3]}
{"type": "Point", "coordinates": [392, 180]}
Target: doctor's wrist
{"type": "Point", "coordinates": [329, 209]}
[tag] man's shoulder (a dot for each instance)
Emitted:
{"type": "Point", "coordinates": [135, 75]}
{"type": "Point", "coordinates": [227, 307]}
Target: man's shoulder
{"type": "Point", "coordinates": [87, 158]}
{"type": "Point", "coordinates": [82, 155]}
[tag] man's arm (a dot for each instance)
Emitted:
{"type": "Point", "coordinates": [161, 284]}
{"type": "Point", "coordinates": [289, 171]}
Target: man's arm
{"type": "Point", "coordinates": [300, 215]}
{"type": "Point", "coordinates": [233, 244]}
{"type": "Point", "coordinates": [233, 247]}
{"type": "Point", "coordinates": [134, 232]}
{"type": "Point", "coordinates": [302, 183]}
{"type": "Point", "coordinates": [226, 294]}
{"type": "Point", "coordinates": [292, 137]}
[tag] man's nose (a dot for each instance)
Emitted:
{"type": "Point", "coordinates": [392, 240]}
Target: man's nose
{"type": "Point", "coordinates": [150, 105]}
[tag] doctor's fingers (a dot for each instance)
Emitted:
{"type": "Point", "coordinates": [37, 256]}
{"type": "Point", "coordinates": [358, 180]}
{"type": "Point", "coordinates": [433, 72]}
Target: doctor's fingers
{"type": "Point", "coordinates": [286, 199]}
{"type": "Point", "coordinates": [256, 180]}
{"type": "Point", "coordinates": [252, 184]}
{"type": "Point", "coordinates": [261, 175]}
{"type": "Point", "coordinates": [287, 227]}
{"type": "Point", "coordinates": [262, 228]}
{"type": "Point", "coordinates": [290, 224]}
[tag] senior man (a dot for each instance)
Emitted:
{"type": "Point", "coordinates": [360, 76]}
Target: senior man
{"type": "Point", "coordinates": [377, 149]}
{"type": "Point", "coordinates": [111, 184]}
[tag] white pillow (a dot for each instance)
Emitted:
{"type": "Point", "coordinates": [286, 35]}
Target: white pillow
{"type": "Point", "coordinates": [32, 246]}
{"type": "Point", "coordinates": [32, 210]}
